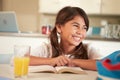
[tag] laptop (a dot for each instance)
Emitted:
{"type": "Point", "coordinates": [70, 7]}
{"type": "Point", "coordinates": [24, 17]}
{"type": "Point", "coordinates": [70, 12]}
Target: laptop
{"type": "Point", "coordinates": [8, 22]}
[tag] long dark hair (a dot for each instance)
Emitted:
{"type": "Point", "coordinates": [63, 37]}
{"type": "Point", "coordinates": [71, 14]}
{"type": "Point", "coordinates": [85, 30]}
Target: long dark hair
{"type": "Point", "coordinates": [64, 15]}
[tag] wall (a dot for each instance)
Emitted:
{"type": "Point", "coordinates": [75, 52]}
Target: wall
{"type": "Point", "coordinates": [26, 11]}
{"type": "Point", "coordinates": [46, 19]}
{"type": "Point", "coordinates": [95, 20]}
{"type": "Point", "coordinates": [0, 5]}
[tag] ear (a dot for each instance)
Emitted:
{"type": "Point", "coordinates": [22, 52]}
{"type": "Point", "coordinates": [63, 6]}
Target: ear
{"type": "Point", "coordinates": [58, 27]}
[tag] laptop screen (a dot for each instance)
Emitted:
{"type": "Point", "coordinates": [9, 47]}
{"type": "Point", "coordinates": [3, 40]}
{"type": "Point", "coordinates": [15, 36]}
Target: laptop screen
{"type": "Point", "coordinates": [8, 22]}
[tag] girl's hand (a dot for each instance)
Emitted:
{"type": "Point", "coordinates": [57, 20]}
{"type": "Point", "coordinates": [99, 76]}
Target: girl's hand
{"type": "Point", "coordinates": [60, 61]}
{"type": "Point", "coordinates": [71, 64]}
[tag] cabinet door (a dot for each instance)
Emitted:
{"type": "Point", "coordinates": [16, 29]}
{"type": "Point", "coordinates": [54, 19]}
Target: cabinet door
{"type": "Point", "coordinates": [110, 7]}
{"type": "Point", "coordinates": [90, 6]}
{"type": "Point", "coordinates": [53, 6]}
{"type": "Point", "coordinates": [46, 6]}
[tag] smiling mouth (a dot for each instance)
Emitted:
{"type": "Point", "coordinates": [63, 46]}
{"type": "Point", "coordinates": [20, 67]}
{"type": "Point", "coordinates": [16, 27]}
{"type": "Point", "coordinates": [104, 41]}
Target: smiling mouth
{"type": "Point", "coordinates": [77, 39]}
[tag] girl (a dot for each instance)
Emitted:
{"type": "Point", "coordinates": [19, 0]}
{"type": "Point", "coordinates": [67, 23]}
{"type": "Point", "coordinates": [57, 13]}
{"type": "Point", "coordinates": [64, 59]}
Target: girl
{"type": "Point", "coordinates": [66, 47]}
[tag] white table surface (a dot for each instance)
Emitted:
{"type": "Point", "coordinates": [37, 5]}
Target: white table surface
{"type": "Point", "coordinates": [6, 71]}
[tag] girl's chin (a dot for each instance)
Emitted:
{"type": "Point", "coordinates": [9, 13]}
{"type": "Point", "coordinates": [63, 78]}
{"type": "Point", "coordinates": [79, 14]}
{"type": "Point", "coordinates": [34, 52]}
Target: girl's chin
{"type": "Point", "coordinates": [76, 43]}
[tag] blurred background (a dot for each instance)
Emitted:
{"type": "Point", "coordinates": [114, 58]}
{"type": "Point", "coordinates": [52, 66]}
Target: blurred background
{"type": "Point", "coordinates": [38, 17]}
{"type": "Point", "coordinates": [32, 15]}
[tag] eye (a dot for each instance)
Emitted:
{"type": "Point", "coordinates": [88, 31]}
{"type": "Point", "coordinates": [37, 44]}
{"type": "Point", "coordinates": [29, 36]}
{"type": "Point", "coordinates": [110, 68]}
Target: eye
{"type": "Point", "coordinates": [85, 27]}
{"type": "Point", "coordinates": [76, 26]}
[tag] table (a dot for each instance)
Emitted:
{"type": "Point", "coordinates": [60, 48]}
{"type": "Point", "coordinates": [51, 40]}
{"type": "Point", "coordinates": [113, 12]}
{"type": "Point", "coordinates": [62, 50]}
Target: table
{"type": "Point", "coordinates": [7, 71]}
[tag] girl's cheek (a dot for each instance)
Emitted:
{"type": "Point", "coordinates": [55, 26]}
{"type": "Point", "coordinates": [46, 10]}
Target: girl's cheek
{"type": "Point", "coordinates": [84, 34]}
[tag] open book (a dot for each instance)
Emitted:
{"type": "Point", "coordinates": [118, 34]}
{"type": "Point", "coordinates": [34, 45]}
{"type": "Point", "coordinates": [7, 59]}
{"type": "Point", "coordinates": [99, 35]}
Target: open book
{"type": "Point", "coordinates": [60, 69]}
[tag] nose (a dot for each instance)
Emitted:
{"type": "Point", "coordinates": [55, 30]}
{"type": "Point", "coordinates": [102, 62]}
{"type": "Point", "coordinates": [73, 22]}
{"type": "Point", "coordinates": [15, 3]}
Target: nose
{"type": "Point", "coordinates": [79, 31]}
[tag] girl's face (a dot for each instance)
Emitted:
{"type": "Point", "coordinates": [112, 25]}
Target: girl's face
{"type": "Point", "coordinates": [73, 32]}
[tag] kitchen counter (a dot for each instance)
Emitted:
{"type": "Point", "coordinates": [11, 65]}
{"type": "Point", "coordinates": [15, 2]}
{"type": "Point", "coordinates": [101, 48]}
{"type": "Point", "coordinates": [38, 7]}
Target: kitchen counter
{"type": "Point", "coordinates": [102, 38]}
{"type": "Point", "coordinates": [7, 72]}
{"type": "Point", "coordinates": [39, 35]}
{"type": "Point", "coordinates": [24, 34]}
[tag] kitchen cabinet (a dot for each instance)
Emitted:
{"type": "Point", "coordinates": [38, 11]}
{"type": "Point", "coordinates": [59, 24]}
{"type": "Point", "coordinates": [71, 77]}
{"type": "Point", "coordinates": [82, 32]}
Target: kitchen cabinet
{"type": "Point", "coordinates": [51, 6]}
{"type": "Point", "coordinates": [54, 6]}
{"type": "Point", "coordinates": [90, 6]}
{"type": "Point", "coordinates": [110, 7]}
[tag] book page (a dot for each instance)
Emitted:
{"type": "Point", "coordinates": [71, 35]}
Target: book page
{"type": "Point", "coordinates": [76, 70]}
{"type": "Point", "coordinates": [42, 68]}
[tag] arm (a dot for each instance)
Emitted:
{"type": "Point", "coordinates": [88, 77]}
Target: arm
{"type": "Point", "coordinates": [58, 61]}
{"type": "Point", "coordinates": [86, 64]}
{"type": "Point", "coordinates": [40, 61]}
{"type": "Point", "coordinates": [93, 55]}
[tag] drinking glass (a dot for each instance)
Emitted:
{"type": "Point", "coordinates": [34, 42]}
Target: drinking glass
{"type": "Point", "coordinates": [21, 60]}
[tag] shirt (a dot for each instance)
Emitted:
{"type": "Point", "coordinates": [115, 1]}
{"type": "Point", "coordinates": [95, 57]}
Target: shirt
{"type": "Point", "coordinates": [45, 50]}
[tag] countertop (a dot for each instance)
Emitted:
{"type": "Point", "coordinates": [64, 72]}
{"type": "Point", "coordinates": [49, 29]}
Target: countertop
{"type": "Point", "coordinates": [39, 35]}
{"type": "Point", "coordinates": [7, 72]}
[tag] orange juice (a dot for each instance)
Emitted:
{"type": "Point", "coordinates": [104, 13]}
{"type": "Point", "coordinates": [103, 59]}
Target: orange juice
{"type": "Point", "coordinates": [21, 66]}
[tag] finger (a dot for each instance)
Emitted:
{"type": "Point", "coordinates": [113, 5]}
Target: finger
{"type": "Point", "coordinates": [61, 62]}
{"type": "Point", "coordinates": [64, 60]}
{"type": "Point", "coordinates": [58, 63]}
